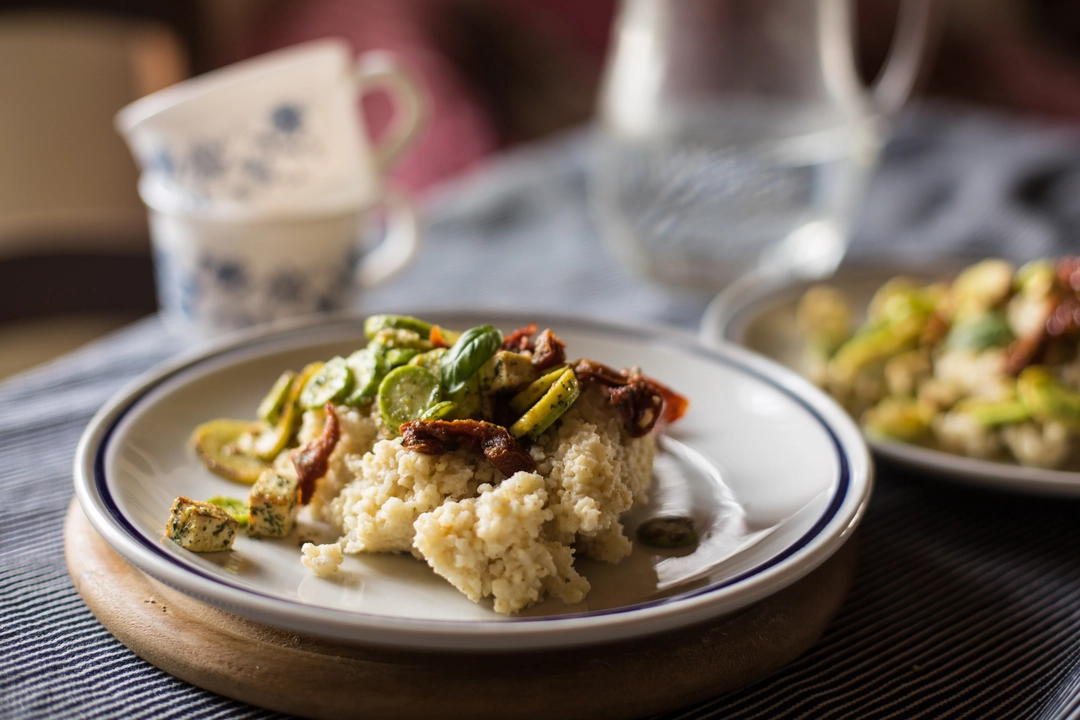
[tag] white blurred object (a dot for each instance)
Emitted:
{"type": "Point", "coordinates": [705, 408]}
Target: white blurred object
{"type": "Point", "coordinates": [736, 135]}
{"type": "Point", "coordinates": [276, 133]}
{"type": "Point", "coordinates": [261, 181]}
{"type": "Point", "coordinates": [220, 272]}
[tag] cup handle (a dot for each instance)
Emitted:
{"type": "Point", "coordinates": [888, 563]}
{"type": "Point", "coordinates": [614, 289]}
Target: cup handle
{"type": "Point", "coordinates": [379, 70]}
{"type": "Point", "coordinates": [399, 244]}
{"type": "Point", "coordinates": [916, 32]}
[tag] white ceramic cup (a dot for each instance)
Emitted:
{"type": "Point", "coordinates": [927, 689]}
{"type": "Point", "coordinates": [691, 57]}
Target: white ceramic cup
{"type": "Point", "coordinates": [221, 272]}
{"type": "Point", "coordinates": [277, 132]}
{"type": "Point", "coordinates": [261, 180]}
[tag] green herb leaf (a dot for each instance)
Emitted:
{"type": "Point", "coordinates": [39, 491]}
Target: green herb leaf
{"type": "Point", "coordinates": [990, 329]}
{"type": "Point", "coordinates": [476, 346]}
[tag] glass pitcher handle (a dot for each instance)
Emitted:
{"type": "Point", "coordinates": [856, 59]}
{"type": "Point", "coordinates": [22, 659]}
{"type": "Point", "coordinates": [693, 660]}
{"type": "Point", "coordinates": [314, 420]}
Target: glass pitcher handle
{"type": "Point", "coordinates": [916, 31]}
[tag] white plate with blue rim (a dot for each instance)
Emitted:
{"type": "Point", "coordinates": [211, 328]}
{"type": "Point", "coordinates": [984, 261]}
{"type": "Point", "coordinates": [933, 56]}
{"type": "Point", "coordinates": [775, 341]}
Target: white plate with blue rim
{"type": "Point", "coordinates": [774, 474]}
{"type": "Point", "coordinates": [758, 313]}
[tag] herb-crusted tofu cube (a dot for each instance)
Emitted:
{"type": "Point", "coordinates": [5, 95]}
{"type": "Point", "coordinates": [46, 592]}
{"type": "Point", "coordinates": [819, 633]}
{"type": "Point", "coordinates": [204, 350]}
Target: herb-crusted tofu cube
{"type": "Point", "coordinates": [506, 370]}
{"type": "Point", "coordinates": [200, 526]}
{"type": "Point", "coordinates": [271, 505]}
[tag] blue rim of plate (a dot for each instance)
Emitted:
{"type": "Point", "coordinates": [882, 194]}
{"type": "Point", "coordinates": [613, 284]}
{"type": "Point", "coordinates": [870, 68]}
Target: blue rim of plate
{"type": "Point", "coordinates": [330, 331]}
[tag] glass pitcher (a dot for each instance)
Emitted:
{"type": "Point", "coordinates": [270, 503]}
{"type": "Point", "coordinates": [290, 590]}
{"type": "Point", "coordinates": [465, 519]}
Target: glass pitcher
{"type": "Point", "coordinates": [736, 136]}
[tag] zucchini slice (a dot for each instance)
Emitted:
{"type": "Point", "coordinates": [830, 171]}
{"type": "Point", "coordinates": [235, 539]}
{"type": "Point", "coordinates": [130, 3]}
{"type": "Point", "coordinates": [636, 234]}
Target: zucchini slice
{"type": "Point", "coordinates": [270, 407]}
{"type": "Point", "coordinates": [272, 440]}
{"type": "Point", "coordinates": [330, 383]}
{"type": "Point", "coordinates": [216, 442]}
{"type": "Point", "coordinates": [375, 323]}
{"type": "Point", "coordinates": [557, 400]}
{"type": "Point", "coordinates": [368, 369]}
{"type": "Point", "coordinates": [405, 394]}
{"type": "Point", "coordinates": [535, 390]}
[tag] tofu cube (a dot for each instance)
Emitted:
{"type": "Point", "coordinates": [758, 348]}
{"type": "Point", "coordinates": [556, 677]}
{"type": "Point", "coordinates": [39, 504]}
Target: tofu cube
{"type": "Point", "coordinates": [200, 527]}
{"type": "Point", "coordinates": [271, 504]}
{"type": "Point", "coordinates": [506, 370]}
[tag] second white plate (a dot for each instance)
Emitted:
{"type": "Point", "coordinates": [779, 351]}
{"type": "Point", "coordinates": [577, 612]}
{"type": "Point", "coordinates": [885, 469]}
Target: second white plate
{"type": "Point", "coordinates": [759, 313]}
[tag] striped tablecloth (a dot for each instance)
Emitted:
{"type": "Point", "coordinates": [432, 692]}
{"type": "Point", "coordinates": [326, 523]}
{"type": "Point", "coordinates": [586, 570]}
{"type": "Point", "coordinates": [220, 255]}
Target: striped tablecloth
{"type": "Point", "coordinates": [966, 602]}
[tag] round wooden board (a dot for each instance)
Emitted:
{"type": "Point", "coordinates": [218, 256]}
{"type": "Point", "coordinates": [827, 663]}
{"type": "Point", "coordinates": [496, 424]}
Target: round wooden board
{"type": "Point", "coordinates": [316, 677]}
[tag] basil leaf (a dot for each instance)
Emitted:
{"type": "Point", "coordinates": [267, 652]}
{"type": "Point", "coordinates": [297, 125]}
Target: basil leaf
{"type": "Point", "coordinates": [990, 329]}
{"type": "Point", "coordinates": [475, 347]}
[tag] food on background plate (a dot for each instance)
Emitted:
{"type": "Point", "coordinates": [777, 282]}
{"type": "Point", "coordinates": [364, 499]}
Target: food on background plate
{"type": "Point", "coordinates": [986, 364]}
{"type": "Point", "coordinates": [490, 457]}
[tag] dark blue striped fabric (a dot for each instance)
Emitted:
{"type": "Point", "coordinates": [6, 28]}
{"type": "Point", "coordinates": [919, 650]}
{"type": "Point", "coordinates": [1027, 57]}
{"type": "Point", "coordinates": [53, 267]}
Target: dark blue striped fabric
{"type": "Point", "coordinates": [966, 602]}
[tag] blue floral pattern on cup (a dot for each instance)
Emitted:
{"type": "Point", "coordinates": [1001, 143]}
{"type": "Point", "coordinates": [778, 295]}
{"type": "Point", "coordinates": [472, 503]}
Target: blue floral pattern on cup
{"type": "Point", "coordinates": [222, 292]}
{"type": "Point", "coordinates": [244, 163]}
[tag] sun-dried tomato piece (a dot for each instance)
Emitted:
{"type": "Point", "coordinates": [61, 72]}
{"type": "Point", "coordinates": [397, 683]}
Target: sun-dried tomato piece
{"type": "Point", "coordinates": [434, 437]}
{"type": "Point", "coordinates": [640, 404]}
{"type": "Point", "coordinates": [937, 327]}
{"type": "Point", "coordinates": [436, 338]}
{"type": "Point", "coordinates": [588, 370]}
{"type": "Point", "coordinates": [1067, 270]}
{"type": "Point", "coordinates": [1064, 320]}
{"type": "Point", "coordinates": [311, 460]}
{"type": "Point", "coordinates": [1021, 353]}
{"type": "Point", "coordinates": [506, 453]}
{"type": "Point", "coordinates": [520, 340]}
{"type": "Point", "coordinates": [548, 351]}
{"type": "Point", "coordinates": [675, 405]}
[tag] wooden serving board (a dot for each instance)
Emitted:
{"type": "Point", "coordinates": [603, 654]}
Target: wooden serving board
{"type": "Point", "coordinates": [316, 677]}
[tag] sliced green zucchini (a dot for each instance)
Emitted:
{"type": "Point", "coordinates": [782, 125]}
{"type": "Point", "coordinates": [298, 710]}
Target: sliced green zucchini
{"type": "Point", "coordinates": [237, 509]}
{"type": "Point", "coordinates": [368, 370]}
{"type": "Point", "coordinates": [993, 413]}
{"type": "Point", "coordinates": [405, 394]}
{"type": "Point", "coordinates": [270, 407]}
{"type": "Point", "coordinates": [216, 442]}
{"type": "Point", "coordinates": [269, 443]}
{"type": "Point", "coordinates": [536, 389]}
{"type": "Point", "coordinates": [431, 360]}
{"type": "Point", "coordinates": [388, 338]}
{"type": "Point", "coordinates": [398, 356]}
{"type": "Point", "coordinates": [557, 400]}
{"type": "Point", "coordinates": [375, 323]}
{"type": "Point", "coordinates": [439, 410]}
{"type": "Point", "coordinates": [1047, 398]}
{"type": "Point", "coordinates": [330, 383]}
